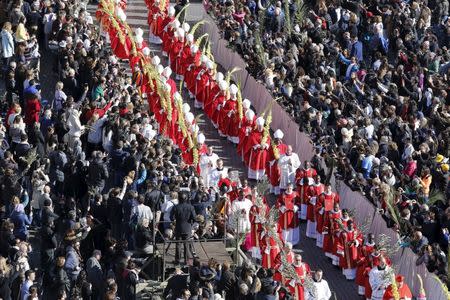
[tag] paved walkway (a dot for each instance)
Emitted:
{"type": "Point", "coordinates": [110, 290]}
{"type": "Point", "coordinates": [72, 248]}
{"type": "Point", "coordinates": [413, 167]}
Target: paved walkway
{"type": "Point", "coordinates": [343, 289]}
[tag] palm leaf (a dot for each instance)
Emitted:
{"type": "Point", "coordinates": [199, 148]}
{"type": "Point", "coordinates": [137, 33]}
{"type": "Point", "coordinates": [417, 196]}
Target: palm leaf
{"type": "Point", "coordinates": [198, 119]}
{"type": "Point", "coordinates": [229, 73]}
{"type": "Point", "coordinates": [443, 286]}
{"type": "Point", "coordinates": [181, 11]}
{"type": "Point", "coordinates": [194, 28]}
{"type": "Point", "coordinates": [392, 208]}
{"type": "Point", "coordinates": [421, 290]}
{"type": "Point", "coordinates": [435, 196]}
{"type": "Point", "coordinates": [200, 39]}
{"type": "Point", "coordinates": [301, 12]}
{"type": "Point", "coordinates": [287, 16]}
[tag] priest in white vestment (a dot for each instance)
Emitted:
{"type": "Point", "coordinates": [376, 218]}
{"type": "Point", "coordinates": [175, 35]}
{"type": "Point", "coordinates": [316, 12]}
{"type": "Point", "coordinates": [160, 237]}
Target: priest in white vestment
{"type": "Point", "coordinates": [379, 279]}
{"type": "Point", "coordinates": [208, 162]}
{"type": "Point", "coordinates": [288, 164]}
{"type": "Point", "coordinates": [322, 290]}
{"type": "Point", "coordinates": [239, 215]}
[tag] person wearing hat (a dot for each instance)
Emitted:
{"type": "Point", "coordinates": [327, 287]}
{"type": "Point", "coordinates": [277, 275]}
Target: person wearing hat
{"type": "Point", "coordinates": [288, 220]}
{"type": "Point", "coordinates": [203, 84]}
{"type": "Point", "coordinates": [208, 162]}
{"type": "Point", "coordinates": [276, 150]}
{"type": "Point", "coordinates": [229, 117]}
{"type": "Point", "coordinates": [256, 151]}
{"type": "Point", "coordinates": [155, 19]}
{"type": "Point", "coordinates": [404, 293]}
{"type": "Point", "coordinates": [325, 204]}
{"type": "Point", "coordinates": [288, 164]}
{"type": "Point", "coordinates": [245, 127]}
{"type": "Point", "coordinates": [218, 102]}
{"type": "Point", "coordinates": [195, 69]}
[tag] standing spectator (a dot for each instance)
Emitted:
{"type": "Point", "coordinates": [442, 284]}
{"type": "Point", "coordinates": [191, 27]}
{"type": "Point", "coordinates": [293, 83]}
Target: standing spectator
{"type": "Point", "coordinates": [184, 215]}
{"type": "Point", "coordinates": [95, 274]}
{"type": "Point", "coordinates": [30, 277]}
{"type": "Point", "coordinates": [7, 44]}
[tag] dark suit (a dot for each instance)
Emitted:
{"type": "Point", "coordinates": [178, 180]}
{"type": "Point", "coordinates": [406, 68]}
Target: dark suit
{"type": "Point", "coordinates": [183, 214]}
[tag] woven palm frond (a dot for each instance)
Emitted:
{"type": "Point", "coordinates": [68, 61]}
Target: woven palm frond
{"type": "Point", "coordinates": [390, 203]}
{"type": "Point", "coordinates": [421, 289]}
{"type": "Point", "coordinates": [287, 18]}
{"type": "Point", "coordinates": [200, 39]}
{"type": "Point", "coordinates": [31, 156]}
{"type": "Point", "coordinates": [198, 119]}
{"type": "Point", "coordinates": [177, 17]}
{"type": "Point", "coordinates": [364, 227]}
{"type": "Point", "coordinates": [196, 26]}
{"type": "Point", "coordinates": [262, 186]}
{"type": "Point", "coordinates": [239, 102]}
{"type": "Point", "coordinates": [229, 73]}
{"type": "Point", "coordinates": [385, 242]}
{"type": "Point", "coordinates": [301, 12]}
{"type": "Point", "coordinates": [435, 196]}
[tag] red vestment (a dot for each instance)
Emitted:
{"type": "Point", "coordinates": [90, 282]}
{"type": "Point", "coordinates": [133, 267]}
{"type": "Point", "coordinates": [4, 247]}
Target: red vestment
{"type": "Point", "coordinates": [363, 262]}
{"type": "Point", "coordinates": [349, 243]}
{"type": "Point", "coordinates": [258, 155]}
{"type": "Point", "coordinates": [226, 117]}
{"type": "Point", "coordinates": [287, 219]}
{"type": "Point", "coordinates": [273, 171]}
{"type": "Point", "coordinates": [330, 226]}
{"type": "Point", "coordinates": [404, 292]}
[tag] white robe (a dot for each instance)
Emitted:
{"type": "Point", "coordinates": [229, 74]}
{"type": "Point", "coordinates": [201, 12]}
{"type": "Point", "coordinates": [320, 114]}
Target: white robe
{"type": "Point", "coordinates": [239, 215]}
{"type": "Point", "coordinates": [379, 281]}
{"type": "Point", "coordinates": [322, 290]}
{"type": "Point", "coordinates": [207, 163]}
{"type": "Point", "coordinates": [288, 165]}
{"type": "Point", "coordinates": [214, 176]}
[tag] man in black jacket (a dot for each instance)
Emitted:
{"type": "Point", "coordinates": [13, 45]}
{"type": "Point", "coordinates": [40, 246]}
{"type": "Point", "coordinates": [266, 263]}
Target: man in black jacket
{"type": "Point", "coordinates": [48, 243]}
{"type": "Point", "coordinates": [183, 214]}
{"type": "Point", "coordinates": [98, 172]}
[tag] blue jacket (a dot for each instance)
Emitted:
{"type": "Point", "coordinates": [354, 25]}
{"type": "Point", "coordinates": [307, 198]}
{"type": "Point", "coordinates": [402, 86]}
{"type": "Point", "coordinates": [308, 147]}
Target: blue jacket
{"type": "Point", "coordinates": [357, 50]}
{"type": "Point", "coordinates": [72, 262]}
{"type": "Point", "coordinates": [20, 220]}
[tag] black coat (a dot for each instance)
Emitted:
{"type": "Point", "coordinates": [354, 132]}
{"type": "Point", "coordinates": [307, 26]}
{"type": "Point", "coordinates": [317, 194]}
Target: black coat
{"type": "Point", "coordinates": [143, 237]}
{"type": "Point", "coordinates": [98, 173]}
{"type": "Point", "coordinates": [183, 214]}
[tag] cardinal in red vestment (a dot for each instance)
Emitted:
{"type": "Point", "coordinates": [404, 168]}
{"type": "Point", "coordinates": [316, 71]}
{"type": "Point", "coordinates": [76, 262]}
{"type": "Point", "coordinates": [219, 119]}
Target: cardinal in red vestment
{"type": "Point", "coordinates": [228, 111]}
{"type": "Point", "coordinates": [403, 290]}
{"type": "Point", "coordinates": [363, 262]}
{"type": "Point", "coordinates": [350, 240]}
{"type": "Point", "coordinates": [290, 258]}
{"type": "Point", "coordinates": [318, 189]}
{"type": "Point", "coordinates": [306, 191]}
{"type": "Point", "coordinates": [330, 226]}
{"type": "Point", "coordinates": [302, 269]}
{"type": "Point", "coordinates": [202, 84]}
{"type": "Point", "coordinates": [269, 249]}
{"type": "Point", "coordinates": [324, 204]}
{"type": "Point", "coordinates": [288, 218]}
{"type": "Point", "coordinates": [273, 171]}
{"type": "Point", "coordinates": [247, 124]}
{"type": "Point", "coordinates": [258, 147]}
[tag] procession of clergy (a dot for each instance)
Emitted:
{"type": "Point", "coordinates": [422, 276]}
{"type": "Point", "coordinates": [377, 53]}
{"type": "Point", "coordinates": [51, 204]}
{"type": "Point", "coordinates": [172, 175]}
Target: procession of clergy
{"type": "Point", "coordinates": [301, 195]}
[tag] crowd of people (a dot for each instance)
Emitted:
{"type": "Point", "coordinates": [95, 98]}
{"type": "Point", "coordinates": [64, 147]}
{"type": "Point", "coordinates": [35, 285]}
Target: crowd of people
{"type": "Point", "coordinates": [369, 83]}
